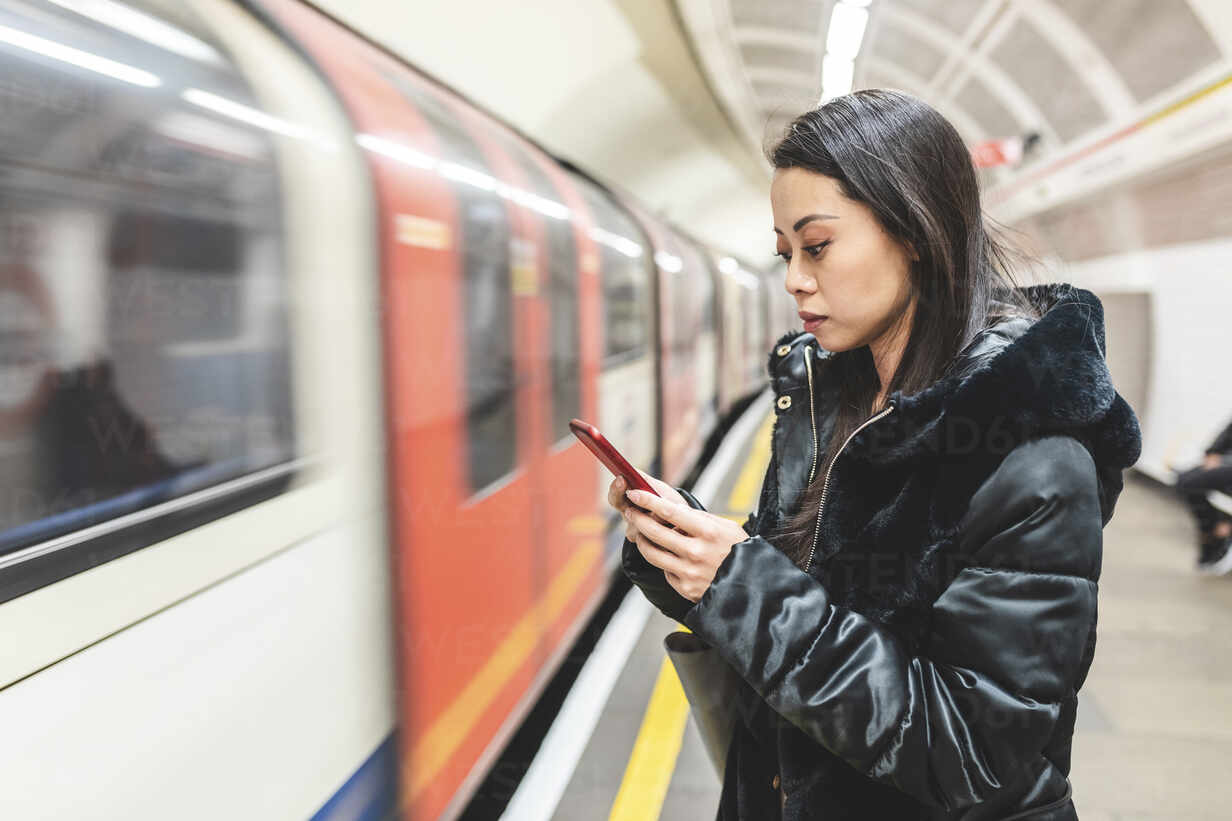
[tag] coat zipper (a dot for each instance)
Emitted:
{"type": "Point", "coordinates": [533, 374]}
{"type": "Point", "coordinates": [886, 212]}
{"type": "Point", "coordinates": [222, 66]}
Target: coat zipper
{"type": "Point", "coordinates": [808, 366]}
{"type": "Point", "coordinates": [825, 488]}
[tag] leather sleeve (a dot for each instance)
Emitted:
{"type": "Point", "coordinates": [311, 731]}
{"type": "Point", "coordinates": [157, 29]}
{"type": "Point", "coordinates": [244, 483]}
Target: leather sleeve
{"type": "Point", "coordinates": [972, 711]}
{"type": "Point", "coordinates": [650, 579]}
{"type": "Point", "coordinates": [1223, 442]}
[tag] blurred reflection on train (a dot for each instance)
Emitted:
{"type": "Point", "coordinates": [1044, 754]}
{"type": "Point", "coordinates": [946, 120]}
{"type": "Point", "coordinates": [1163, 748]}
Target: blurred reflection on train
{"type": "Point", "coordinates": [289, 341]}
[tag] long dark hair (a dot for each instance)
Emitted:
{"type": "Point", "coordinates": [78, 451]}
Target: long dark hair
{"type": "Point", "coordinates": [903, 160]}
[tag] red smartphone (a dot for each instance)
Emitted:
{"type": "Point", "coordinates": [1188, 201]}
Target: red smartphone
{"type": "Point", "coordinates": [608, 455]}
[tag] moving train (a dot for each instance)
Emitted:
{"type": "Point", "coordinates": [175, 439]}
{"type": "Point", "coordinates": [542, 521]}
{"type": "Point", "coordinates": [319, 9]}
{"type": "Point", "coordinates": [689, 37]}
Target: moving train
{"type": "Point", "coordinates": [292, 335]}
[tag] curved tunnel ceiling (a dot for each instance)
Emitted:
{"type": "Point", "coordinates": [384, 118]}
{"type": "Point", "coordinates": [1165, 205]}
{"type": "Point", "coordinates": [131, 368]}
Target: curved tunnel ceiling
{"type": "Point", "coordinates": [995, 68]}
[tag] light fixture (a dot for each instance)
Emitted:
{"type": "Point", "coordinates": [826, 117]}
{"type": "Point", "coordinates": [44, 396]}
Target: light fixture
{"type": "Point", "coordinates": [616, 242]}
{"type": "Point", "coordinates": [144, 27]}
{"type": "Point", "coordinates": [243, 113]}
{"type": "Point", "coordinates": [846, 30]}
{"type": "Point", "coordinates": [77, 57]}
{"type": "Point", "coordinates": [669, 262]}
{"type": "Point", "coordinates": [466, 175]}
{"type": "Point", "coordinates": [837, 74]}
{"type": "Point", "coordinates": [210, 134]}
{"type": "Point", "coordinates": [395, 151]}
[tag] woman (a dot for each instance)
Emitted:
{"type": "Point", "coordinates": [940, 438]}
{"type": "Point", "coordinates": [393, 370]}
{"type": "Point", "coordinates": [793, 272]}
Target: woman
{"type": "Point", "coordinates": [912, 605]}
{"type": "Point", "coordinates": [1214, 526]}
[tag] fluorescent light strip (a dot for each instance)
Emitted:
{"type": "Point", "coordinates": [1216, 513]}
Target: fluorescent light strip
{"type": "Point", "coordinates": [396, 151]}
{"type": "Point", "coordinates": [669, 262]}
{"type": "Point", "coordinates": [463, 174]}
{"type": "Point", "coordinates": [837, 75]}
{"type": "Point", "coordinates": [209, 133]}
{"type": "Point", "coordinates": [466, 174]}
{"type": "Point", "coordinates": [243, 113]}
{"type": "Point", "coordinates": [79, 58]}
{"type": "Point", "coordinates": [144, 27]}
{"type": "Point", "coordinates": [848, 21]}
{"type": "Point", "coordinates": [616, 242]}
{"type": "Point", "coordinates": [846, 31]}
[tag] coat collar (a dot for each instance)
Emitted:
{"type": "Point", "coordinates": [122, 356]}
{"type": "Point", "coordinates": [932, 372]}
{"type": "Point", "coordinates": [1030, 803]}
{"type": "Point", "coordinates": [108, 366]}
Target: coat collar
{"type": "Point", "coordinates": [1020, 377]}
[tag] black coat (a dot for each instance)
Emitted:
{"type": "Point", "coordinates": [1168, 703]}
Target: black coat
{"type": "Point", "coordinates": [1223, 442]}
{"type": "Point", "coordinates": [927, 664]}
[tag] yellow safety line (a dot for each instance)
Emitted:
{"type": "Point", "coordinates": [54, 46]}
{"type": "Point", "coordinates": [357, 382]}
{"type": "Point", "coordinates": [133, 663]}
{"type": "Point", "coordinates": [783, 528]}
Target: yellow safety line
{"type": "Point", "coordinates": [748, 483]}
{"type": "Point", "coordinates": [433, 748]}
{"type": "Point", "coordinates": [653, 760]}
{"type": "Point", "coordinates": [654, 753]}
{"type": "Point", "coordinates": [1192, 98]}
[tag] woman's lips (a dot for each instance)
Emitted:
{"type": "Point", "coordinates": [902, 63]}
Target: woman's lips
{"type": "Point", "coordinates": [812, 321]}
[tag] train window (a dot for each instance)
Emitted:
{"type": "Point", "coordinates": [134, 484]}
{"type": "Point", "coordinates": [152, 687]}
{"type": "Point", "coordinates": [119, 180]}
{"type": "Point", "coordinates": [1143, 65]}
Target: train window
{"type": "Point", "coordinates": [487, 301]}
{"type": "Point", "coordinates": [562, 257]}
{"type": "Point", "coordinates": [707, 319]}
{"type": "Point", "coordinates": [624, 264]}
{"type": "Point", "coordinates": [143, 297]}
{"type": "Point", "coordinates": [700, 292]}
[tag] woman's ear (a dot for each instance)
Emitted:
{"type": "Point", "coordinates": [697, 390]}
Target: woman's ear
{"type": "Point", "coordinates": [912, 253]}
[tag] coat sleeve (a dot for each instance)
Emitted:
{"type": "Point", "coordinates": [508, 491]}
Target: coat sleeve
{"type": "Point", "coordinates": [1223, 442]}
{"type": "Point", "coordinates": [650, 579]}
{"type": "Point", "coordinates": [1008, 640]}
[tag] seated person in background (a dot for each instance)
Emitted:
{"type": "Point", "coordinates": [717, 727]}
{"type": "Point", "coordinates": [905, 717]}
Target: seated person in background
{"type": "Point", "coordinates": [1214, 526]}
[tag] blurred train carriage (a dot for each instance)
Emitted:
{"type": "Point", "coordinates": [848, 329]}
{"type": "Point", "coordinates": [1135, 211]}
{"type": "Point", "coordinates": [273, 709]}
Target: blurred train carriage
{"type": "Point", "coordinates": [292, 339]}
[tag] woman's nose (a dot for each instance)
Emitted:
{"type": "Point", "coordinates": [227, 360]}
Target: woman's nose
{"type": "Point", "coordinates": [796, 281]}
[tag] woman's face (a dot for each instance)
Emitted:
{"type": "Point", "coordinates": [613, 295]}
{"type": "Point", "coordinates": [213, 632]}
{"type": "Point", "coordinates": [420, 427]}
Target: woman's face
{"type": "Point", "coordinates": [841, 263]}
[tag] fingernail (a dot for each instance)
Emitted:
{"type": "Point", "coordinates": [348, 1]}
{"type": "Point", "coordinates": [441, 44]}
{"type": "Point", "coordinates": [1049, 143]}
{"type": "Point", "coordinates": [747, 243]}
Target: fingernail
{"type": "Point", "coordinates": [634, 495]}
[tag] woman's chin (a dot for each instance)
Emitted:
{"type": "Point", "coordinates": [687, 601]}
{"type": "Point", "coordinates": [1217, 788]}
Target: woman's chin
{"type": "Point", "coordinates": [829, 341]}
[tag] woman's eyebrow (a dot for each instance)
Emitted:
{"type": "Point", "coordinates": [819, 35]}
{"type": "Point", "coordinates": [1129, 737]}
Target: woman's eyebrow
{"type": "Point", "coordinates": [800, 223]}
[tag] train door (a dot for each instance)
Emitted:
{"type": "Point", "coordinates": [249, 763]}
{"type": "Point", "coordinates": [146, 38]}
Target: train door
{"type": "Point", "coordinates": [456, 391]}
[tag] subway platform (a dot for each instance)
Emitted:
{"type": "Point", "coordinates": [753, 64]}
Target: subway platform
{"type": "Point", "coordinates": [1154, 729]}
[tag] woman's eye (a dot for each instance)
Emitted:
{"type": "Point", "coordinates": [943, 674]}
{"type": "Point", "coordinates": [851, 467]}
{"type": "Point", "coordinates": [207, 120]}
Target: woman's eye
{"type": "Point", "coordinates": [813, 251]}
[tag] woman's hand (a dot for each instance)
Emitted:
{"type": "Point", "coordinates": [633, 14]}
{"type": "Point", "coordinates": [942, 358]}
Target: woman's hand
{"type": "Point", "coordinates": [617, 499]}
{"type": "Point", "coordinates": [690, 554]}
{"type": "Point", "coordinates": [1210, 461]}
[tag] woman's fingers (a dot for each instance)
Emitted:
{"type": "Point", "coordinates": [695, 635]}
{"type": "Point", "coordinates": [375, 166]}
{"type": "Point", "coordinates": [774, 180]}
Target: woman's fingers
{"type": "Point", "coordinates": [671, 564]}
{"type": "Point", "coordinates": [616, 493]}
{"type": "Point", "coordinates": [677, 514]}
{"type": "Point", "coordinates": [617, 499]}
{"type": "Point", "coordinates": [665, 490]}
{"type": "Point", "coordinates": [661, 535]}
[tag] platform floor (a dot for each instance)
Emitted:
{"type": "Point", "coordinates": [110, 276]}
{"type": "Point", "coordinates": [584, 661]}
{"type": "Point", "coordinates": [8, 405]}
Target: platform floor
{"type": "Point", "coordinates": [1154, 733]}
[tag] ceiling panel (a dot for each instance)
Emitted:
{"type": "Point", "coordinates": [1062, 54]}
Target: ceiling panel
{"type": "Point", "coordinates": [776, 127]}
{"type": "Point", "coordinates": [975, 98]}
{"type": "Point", "coordinates": [1032, 62]}
{"type": "Point", "coordinates": [875, 79]}
{"type": "Point", "coordinates": [788, 58]}
{"type": "Point", "coordinates": [793, 15]}
{"type": "Point", "coordinates": [898, 46]}
{"type": "Point", "coordinates": [1154, 44]}
{"type": "Point", "coordinates": [955, 15]}
{"type": "Point", "coordinates": [1066, 67]}
{"type": "Point", "coordinates": [773, 96]}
